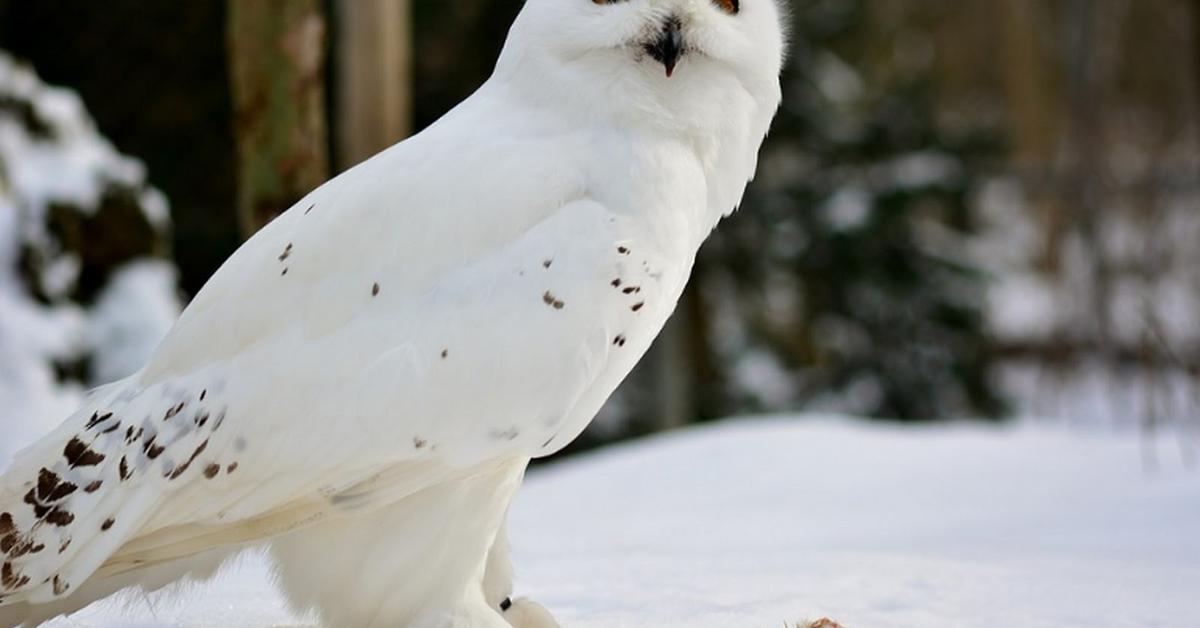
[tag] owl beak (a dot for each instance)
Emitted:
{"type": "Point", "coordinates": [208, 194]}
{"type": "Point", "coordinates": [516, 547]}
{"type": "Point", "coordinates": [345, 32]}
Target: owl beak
{"type": "Point", "coordinates": [669, 46]}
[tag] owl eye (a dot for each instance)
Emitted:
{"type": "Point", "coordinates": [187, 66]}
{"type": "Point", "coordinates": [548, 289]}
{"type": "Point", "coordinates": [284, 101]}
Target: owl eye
{"type": "Point", "coordinates": [729, 6]}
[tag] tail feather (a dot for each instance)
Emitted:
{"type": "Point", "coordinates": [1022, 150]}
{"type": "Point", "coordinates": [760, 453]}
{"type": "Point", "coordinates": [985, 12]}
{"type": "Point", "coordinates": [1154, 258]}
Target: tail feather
{"type": "Point", "coordinates": [196, 568]}
{"type": "Point", "coordinates": [72, 499]}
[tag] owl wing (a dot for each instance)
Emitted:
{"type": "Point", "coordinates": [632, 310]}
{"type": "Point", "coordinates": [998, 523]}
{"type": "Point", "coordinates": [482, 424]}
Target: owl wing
{"type": "Point", "coordinates": [346, 357]}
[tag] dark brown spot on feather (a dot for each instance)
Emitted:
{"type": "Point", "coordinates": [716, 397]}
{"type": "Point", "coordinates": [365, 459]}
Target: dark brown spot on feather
{"type": "Point", "coordinates": [124, 469]}
{"type": "Point", "coordinates": [283, 272]}
{"type": "Point", "coordinates": [184, 467]}
{"type": "Point", "coordinates": [65, 544]}
{"type": "Point", "coordinates": [174, 411]}
{"type": "Point", "coordinates": [25, 546]}
{"type": "Point", "coordinates": [375, 290]}
{"type": "Point", "coordinates": [152, 450]}
{"type": "Point", "coordinates": [632, 290]}
{"type": "Point", "coordinates": [310, 208]}
{"type": "Point", "coordinates": [6, 524]}
{"type": "Point", "coordinates": [287, 252]}
{"type": "Point", "coordinates": [201, 419]}
{"type": "Point", "coordinates": [18, 547]}
{"type": "Point", "coordinates": [638, 306]}
{"type": "Point", "coordinates": [203, 394]}
{"type": "Point", "coordinates": [7, 542]}
{"type": "Point", "coordinates": [212, 470]}
{"type": "Point", "coordinates": [419, 443]}
{"type": "Point", "coordinates": [547, 263]}
{"type": "Point", "coordinates": [60, 517]}
{"type": "Point", "coordinates": [97, 419]}
{"type": "Point", "coordinates": [60, 586]}
{"type": "Point", "coordinates": [616, 283]}
{"type": "Point", "coordinates": [231, 468]}
{"type": "Point", "coordinates": [623, 250]}
{"type": "Point", "coordinates": [10, 579]}
{"type": "Point", "coordinates": [552, 301]}
{"type": "Point", "coordinates": [619, 341]}
{"type": "Point", "coordinates": [51, 488]}
{"type": "Point", "coordinates": [78, 454]}
{"type": "Point", "coordinates": [93, 487]}
{"type": "Point", "coordinates": [39, 510]}
{"type": "Point", "coordinates": [445, 353]}
{"type": "Point", "coordinates": [108, 523]}
{"type": "Point", "coordinates": [47, 480]}
{"type": "Point", "coordinates": [115, 426]}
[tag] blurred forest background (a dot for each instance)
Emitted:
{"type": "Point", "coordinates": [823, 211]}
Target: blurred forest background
{"type": "Point", "coordinates": [966, 209]}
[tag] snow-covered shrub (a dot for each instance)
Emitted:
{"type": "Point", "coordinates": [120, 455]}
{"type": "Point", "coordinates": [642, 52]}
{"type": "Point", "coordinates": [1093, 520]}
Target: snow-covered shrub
{"type": "Point", "coordinates": [86, 289]}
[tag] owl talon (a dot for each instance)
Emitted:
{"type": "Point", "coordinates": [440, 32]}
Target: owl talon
{"type": "Point", "coordinates": [525, 613]}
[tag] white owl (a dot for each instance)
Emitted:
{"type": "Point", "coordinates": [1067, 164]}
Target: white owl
{"type": "Point", "coordinates": [361, 385]}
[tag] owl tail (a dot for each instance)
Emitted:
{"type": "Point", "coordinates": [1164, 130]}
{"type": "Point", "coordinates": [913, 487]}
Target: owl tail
{"type": "Point", "coordinates": [190, 570]}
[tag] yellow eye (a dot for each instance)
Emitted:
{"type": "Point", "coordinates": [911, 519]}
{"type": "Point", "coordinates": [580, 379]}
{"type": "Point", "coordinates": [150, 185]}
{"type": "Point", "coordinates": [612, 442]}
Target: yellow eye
{"type": "Point", "coordinates": [729, 6]}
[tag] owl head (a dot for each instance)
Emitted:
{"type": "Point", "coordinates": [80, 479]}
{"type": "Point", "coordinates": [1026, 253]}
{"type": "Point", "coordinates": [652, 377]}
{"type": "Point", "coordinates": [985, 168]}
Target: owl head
{"type": "Point", "coordinates": [646, 51]}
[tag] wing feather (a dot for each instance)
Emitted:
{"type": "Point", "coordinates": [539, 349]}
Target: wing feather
{"type": "Point", "coordinates": [349, 355]}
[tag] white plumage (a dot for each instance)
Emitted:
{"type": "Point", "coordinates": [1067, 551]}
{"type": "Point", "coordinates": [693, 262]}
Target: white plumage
{"type": "Point", "coordinates": [362, 384]}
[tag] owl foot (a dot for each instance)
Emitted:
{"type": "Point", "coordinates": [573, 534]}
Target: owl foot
{"type": "Point", "coordinates": [525, 613]}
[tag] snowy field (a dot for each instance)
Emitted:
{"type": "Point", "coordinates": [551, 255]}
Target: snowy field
{"type": "Point", "coordinates": [754, 523]}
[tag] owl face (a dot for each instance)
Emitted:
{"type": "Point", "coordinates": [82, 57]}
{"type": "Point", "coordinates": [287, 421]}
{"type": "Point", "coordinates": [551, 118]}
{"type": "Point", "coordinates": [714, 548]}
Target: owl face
{"type": "Point", "coordinates": [660, 39]}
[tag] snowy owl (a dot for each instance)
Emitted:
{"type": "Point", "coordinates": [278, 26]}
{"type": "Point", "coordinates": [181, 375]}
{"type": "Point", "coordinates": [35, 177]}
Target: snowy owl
{"type": "Point", "coordinates": [360, 387]}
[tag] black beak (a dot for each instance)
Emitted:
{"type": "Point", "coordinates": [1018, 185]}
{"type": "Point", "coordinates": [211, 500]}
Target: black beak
{"type": "Point", "coordinates": [669, 46]}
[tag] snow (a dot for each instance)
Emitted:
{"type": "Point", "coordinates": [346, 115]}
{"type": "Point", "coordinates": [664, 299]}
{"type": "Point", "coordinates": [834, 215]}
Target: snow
{"type": "Point", "coordinates": [133, 313]}
{"type": "Point", "coordinates": [76, 166]}
{"type": "Point", "coordinates": [848, 208]}
{"type": "Point", "coordinates": [756, 522]}
{"type": "Point", "coordinates": [60, 158]}
{"type": "Point", "coordinates": [31, 337]}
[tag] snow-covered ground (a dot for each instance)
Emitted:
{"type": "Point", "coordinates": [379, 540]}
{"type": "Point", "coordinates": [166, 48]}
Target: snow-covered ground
{"type": "Point", "coordinates": [757, 522]}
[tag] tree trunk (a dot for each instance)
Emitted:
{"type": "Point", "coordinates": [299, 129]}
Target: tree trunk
{"type": "Point", "coordinates": [373, 48]}
{"type": "Point", "coordinates": [277, 63]}
{"type": "Point", "coordinates": [1196, 67]}
{"type": "Point", "coordinates": [1033, 114]}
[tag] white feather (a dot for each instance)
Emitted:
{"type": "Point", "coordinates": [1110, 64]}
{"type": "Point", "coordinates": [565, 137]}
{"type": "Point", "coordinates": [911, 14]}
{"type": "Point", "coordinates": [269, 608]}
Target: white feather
{"type": "Point", "coordinates": [363, 382]}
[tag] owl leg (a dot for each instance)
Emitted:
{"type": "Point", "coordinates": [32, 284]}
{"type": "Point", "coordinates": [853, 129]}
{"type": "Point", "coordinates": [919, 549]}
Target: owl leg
{"type": "Point", "coordinates": [498, 575]}
{"type": "Point", "coordinates": [498, 586]}
{"type": "Point", "coordinates": [419, 562]}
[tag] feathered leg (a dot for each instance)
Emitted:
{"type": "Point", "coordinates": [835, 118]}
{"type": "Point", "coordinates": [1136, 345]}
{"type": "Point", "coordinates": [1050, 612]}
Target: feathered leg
{"type": "Point", "coordinates": [498, 588]}
{"type": "Point", "coordinates": [418, 562]}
